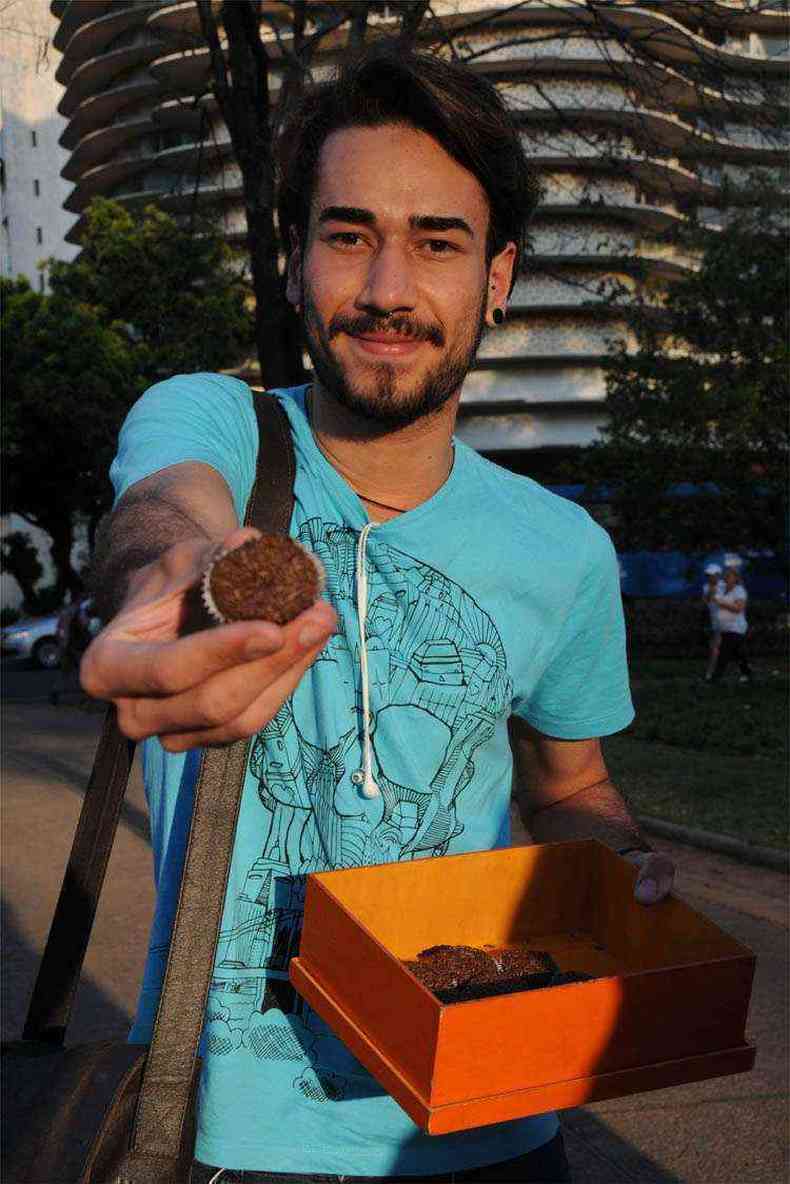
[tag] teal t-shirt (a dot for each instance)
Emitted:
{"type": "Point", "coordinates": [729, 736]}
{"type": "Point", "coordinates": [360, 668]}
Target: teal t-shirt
{"type": "Point", "coordinates": [494, 597]}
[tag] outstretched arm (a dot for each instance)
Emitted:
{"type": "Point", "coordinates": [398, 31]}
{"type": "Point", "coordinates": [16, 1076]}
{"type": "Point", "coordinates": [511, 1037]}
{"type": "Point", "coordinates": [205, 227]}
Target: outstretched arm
{"type": "Point", "coordinates": [563, 791]}
{"type": "Point", "coordinates": [210, 687]}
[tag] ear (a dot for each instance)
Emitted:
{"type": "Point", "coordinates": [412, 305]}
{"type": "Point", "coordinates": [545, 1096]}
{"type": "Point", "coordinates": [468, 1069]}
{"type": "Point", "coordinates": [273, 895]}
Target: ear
{"type": "Point", "coordinates": [293, 289]}
{"type": "Point", "coordinates": [500, 275]}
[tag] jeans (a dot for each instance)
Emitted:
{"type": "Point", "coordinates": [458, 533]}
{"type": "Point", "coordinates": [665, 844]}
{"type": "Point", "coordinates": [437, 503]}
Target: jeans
{"type": "Point", "coordinates": [545, 1165]}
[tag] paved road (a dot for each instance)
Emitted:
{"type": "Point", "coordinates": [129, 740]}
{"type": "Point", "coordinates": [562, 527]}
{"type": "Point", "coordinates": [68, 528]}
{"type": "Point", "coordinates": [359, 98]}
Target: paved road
{"type": "Point", "coordinates": [727, 1131]}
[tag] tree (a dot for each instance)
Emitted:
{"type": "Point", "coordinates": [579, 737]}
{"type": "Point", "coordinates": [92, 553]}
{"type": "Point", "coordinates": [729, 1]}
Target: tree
{"type": "Point", "coordinates": [261, 56]}
{"type": "Point", "coordinates": [144, 299]}
{"type": "Point", "coordinates": [69, 378]}
{"type": "Point", "coordinates": [180, 291]}
{"type": "Point", "coordinates": [696, 445]}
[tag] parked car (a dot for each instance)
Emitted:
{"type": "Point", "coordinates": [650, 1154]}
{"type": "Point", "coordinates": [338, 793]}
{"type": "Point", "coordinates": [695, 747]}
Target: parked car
{"type": "Point", "coordinates": [33, 637]}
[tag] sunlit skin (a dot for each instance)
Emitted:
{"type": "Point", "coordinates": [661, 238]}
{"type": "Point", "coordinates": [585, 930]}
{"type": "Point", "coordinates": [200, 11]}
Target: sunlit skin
{"type": "Point", "coordinates": [395, 290]}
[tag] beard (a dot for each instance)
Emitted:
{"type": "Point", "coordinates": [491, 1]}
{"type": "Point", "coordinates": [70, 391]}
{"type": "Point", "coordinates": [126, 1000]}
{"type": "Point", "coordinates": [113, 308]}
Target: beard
{"type": "Point", "coordinates": [384, 399]}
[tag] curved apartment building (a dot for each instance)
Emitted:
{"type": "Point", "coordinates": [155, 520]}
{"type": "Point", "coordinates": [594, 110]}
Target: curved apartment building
{"type": "Point", "coordinates": [632, 114]}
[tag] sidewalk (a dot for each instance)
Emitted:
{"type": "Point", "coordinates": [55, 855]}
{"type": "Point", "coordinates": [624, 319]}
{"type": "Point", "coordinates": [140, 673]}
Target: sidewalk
{"type": "Point", "coordinates": [727, 1131]}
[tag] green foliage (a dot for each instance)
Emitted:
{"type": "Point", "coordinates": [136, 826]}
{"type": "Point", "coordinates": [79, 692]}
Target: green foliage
{"type": "Point", "coordinates": [707, 756]}
{"type": "Point", "coordinates": [703, 397]}
{"type": "Point", "coordinates": [726, 718]}
{"type": "Point", "coordinates": [69, 378]}
{"type": "Point", "coordinates": [9, 616]}
{"type": "Point", "coordinates": [179, 294]}
{"type": "Point", "coordinates": [143, 300]}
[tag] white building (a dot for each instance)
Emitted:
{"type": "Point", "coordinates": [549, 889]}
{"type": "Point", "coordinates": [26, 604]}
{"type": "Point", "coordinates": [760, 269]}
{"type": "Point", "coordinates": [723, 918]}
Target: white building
{"type": "Point", "coordinates": [32, 194]}
{"type": "Point", "coordinates": [32, 189]}
{"type": "Point", "coordinates": [632, 114]}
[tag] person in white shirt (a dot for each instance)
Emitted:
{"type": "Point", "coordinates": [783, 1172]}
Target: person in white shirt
{"type": "Point", "coordinates": [714, 586]}
{"type": "Point", "coordinates": [731, 606]}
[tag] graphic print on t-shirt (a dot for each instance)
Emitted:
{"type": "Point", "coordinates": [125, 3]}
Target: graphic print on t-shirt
{"type": "Point", "coordinates": [439, 684]}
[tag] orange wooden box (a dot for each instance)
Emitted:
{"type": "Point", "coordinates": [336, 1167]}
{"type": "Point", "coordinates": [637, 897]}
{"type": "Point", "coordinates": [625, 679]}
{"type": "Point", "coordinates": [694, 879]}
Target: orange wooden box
{"type": "Point", "coordinates": [670, 1006]}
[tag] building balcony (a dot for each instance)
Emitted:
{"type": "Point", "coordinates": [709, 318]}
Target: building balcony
{"type": "Point", "coordinates": [506, 429]}
{"type": "Point", "coordinates": [653, 32]}
{"type": "Point", "coordinates": [179, 163]}
{"type": "Point", "coordinates": [187, 72]}
{"type": "Point", "coordinates": [179, 22]}
{"type": "Point", "coordinates": [664, 37]}
{"type": "Point", "coordinates": [661, 178]}
{"type": "Point", "coordinates": [73, 13]}
{"type": "Point", "coordinates": [89, 39]}
{"type": "Point", "coordinates": [566, 384]}
{"type": "Point", "coordinates": [655, 132]}
{"type": "Point", "coordinates": [97, 74]}
{"type": "Point", "coordinates": [575, 293]}
{"type": "Point", "coordinates": [185, 114]}
{"type": "Point", "coordinates": [105, 143]}
{"type": "Point", "coordinates": [100, 110]}
{"type": "Point", "coordinates": [647, 78]}
{"type": "Point", "coordinates": [718, 14]}
{"type": "Point", "coordinates": [535, 336]}
{"type": "Point", "coordinates": [632, 265]}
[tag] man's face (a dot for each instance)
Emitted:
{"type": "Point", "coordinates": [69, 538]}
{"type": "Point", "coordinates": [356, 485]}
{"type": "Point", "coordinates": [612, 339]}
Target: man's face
{"type": "Point", "coordinates": [392, 281]}
{"type": "Point", "coordinates": [730, 577]}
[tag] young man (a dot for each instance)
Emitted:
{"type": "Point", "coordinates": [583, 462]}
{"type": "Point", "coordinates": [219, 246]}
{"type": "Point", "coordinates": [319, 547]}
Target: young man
{"type": "Point", "coordinates": [491, 606]}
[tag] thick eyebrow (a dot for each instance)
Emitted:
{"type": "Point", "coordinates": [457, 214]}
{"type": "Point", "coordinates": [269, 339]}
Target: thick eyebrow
{"type": "Point", "coordinates": [364, 217]}
{"type": "Point", "coordinates": [435, 222]}
{"type": "Point", "coordinates": [347, 214]}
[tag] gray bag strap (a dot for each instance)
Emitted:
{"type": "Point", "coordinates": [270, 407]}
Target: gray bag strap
{"type": "Point", "coordinates": [172, 1062]}
{"type": "Point", "coordinates": [169, 1076]}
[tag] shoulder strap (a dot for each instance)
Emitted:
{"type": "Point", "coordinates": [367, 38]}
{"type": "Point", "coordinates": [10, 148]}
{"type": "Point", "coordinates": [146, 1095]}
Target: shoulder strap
{"type": "Point", "coordinates": [171, 1065]}
{"type": "Point", "coordinates": [269, 508]}
{"type": "Point", "coordinates": [61, 963]}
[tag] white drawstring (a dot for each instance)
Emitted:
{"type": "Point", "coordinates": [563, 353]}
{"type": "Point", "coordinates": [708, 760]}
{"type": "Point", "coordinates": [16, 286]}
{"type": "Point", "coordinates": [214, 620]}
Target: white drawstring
{"type": "Point", "coordinates": [216, 1176]}
{"type": "Point", "coordinates": [369, 787]}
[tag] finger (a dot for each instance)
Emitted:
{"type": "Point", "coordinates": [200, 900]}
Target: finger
{"type": "Point", "coordinates": [117, 668]}
{"type": "Point", "coordinates": [217, 700]}
{"type": "Point", "coordinates": [655, 879]}
{"type": "Point", "coordinates": [253, 719]}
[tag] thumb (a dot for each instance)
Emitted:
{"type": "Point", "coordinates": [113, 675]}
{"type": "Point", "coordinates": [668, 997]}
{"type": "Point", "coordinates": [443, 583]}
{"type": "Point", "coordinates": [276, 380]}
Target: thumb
{"type": "Point", "coordinates": [655, 878]}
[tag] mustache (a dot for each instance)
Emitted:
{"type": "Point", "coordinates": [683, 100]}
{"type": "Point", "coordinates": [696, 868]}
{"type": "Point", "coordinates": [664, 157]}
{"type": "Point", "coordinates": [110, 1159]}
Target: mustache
{"type": "Point", "coordinates": [400, 326]}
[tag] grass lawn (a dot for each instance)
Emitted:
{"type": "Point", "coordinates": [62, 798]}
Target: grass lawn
{"type": "Point", "coordinates": [711, 757]}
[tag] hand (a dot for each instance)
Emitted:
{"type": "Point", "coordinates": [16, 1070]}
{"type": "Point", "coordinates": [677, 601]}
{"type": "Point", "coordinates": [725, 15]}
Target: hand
{"type": "Point", "coordinates": [212, 687]}
{"type": "Point", "coordinates": [656, 875]}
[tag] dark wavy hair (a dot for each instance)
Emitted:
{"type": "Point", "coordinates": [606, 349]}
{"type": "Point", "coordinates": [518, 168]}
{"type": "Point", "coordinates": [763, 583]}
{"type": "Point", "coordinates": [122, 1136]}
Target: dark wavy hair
{"type": "Point", "coordinates": [459, 108]}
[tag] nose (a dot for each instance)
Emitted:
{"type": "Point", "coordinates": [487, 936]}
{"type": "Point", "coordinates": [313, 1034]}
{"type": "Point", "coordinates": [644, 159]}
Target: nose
{"type": "Point", "coordinates": [389, 283]}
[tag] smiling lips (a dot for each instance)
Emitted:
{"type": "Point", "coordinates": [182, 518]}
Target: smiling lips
{"type": "Point", "coordinates": [387, 345]}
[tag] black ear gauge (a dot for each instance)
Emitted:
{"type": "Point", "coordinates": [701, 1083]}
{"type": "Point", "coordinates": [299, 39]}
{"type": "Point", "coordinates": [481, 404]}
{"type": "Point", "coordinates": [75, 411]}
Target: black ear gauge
{"type": "Point", "coordinates": [498, 316]}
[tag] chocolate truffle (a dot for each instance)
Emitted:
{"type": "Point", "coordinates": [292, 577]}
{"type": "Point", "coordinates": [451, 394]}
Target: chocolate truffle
{"type": "Point", "coordinates": [271, 578]}
{"type": "Point", "coordinates": [456, 974]}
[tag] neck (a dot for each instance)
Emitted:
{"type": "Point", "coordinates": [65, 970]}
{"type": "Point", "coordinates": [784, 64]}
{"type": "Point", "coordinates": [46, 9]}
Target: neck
{"type": "Point", "coordinates": [390, 471]}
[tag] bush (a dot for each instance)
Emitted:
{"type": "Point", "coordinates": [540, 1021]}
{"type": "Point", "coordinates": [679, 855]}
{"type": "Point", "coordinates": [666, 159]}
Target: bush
{"type": "Point", "coordinates": [664, 627]}
{"type": "Point", "coordinates": [9, 616]}
{"type": "Point", "coordinates": [47, 600]}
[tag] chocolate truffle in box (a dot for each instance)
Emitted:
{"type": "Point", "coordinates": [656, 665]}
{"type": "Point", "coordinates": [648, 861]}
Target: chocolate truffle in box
{"type": "Point", "coordinates": [458, 973]}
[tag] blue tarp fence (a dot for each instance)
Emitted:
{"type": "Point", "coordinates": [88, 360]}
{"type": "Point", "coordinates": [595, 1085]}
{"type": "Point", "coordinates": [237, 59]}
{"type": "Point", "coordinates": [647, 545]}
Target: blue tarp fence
{"type": "Point", "coordinates": [681, 574]}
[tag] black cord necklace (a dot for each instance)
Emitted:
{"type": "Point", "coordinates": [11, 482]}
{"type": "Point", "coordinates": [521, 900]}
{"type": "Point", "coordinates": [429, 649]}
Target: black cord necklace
{"type": "Point", "coordinates": [328, 456]}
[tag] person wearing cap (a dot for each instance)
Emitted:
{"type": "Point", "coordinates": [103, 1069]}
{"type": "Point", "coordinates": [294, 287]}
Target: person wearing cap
{"type": "Point", "coordinates": [731, 605]}
{"type": "Point", "coordinates": [713, 587]}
